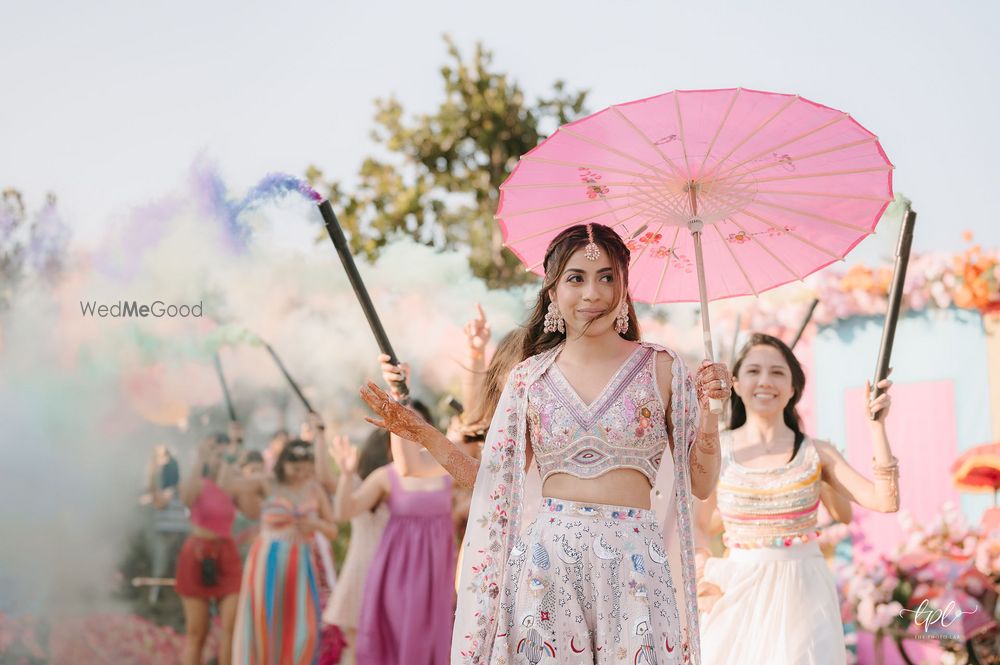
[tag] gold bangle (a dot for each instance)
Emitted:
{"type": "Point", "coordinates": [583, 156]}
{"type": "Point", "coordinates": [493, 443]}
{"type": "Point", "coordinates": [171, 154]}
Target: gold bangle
{"type": "Point", "coordinates": [891, 465]}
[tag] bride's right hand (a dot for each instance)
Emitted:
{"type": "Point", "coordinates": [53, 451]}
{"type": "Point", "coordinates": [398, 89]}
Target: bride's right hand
{"type": "Point", "coordinates": [393, 416]}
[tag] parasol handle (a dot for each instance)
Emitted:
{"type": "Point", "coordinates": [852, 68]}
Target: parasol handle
{"type": "Point", "coordinates": [696, 225]}
{"type": "Point", "coordinates": [895, 299]}
{"type": "Point", "coordinates": [336, 233]}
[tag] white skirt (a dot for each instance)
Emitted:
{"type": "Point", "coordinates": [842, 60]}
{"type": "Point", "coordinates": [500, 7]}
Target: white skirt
{"type": "Point", "coordinates": [779, 606]}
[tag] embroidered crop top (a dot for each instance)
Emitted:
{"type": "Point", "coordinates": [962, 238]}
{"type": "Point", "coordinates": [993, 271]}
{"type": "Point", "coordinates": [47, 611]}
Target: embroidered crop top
{"type": "Point", "coordinates": [625, 427]}
{"type": "Point", "coordinates": [773, 507]}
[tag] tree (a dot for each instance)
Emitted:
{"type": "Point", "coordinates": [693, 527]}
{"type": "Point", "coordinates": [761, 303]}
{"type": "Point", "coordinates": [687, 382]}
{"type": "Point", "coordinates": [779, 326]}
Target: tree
{"type": "Point", "coordinates": [440, 181]}
{"type": "Point", "coordinates": [36, 250]}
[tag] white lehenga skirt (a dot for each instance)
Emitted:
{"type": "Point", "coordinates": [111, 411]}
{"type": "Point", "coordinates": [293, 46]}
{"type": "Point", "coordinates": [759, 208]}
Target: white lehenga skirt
{"type": "Point", "coordinates": [589, 584]}
{"type": "Point", "coordinates": [779, 606]}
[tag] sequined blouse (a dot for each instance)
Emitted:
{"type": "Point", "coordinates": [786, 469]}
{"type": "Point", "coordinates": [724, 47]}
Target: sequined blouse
{"type": "Point", "coordinates": [625, 427]}
{"type": "Point", "coordinates": [774, 507]}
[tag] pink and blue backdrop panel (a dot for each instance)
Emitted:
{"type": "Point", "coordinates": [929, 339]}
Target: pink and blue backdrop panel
{"type": "Point", "coordinates": [941, 402]}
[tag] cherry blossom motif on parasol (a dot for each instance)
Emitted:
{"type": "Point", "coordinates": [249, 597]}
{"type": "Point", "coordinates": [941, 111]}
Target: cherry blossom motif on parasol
{"type": "Point", "coordinates": [718, 193]}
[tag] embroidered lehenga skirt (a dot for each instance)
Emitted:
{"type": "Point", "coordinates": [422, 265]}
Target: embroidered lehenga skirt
{"type": "Point", "coordinates": [588, 583]}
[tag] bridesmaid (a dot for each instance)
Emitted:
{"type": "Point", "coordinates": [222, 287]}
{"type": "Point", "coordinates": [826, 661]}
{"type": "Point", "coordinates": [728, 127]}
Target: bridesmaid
{"type": "Point", "coordinates": [406, 613]}
{"type": "Point", "coordinates": [278, 617]}
{"type": "Point", "coordinates": [344, 607]}
{"type": "Point", "coordinates": [773, 600]}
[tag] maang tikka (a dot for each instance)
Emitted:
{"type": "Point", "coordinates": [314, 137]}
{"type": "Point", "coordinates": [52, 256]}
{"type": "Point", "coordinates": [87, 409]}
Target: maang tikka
{"type": "Point", "coordinates": [591, 252]}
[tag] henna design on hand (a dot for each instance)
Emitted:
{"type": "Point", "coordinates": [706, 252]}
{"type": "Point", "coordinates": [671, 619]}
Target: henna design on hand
{"type": "Point", "coordinates": [713, 380]}
{"type": "Point", "coordinates": [708, 443]}
{"type": "Point", "coordinates": [398, 419]}
{"type": "Point", "coordinates": [407, 423]}
{"type": "Point", "coordinates": [462, 468]}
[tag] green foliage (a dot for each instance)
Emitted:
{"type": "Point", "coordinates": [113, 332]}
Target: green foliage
{"type": "Point", "coordinates": [438, 181]}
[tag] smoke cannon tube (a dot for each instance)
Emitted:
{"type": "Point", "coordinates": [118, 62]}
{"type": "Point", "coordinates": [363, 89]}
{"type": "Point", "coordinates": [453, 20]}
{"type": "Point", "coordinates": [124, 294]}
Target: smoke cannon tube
{"type": "Point", "coordinates": [225, 388]}
{"type": "Point", "coordinates": [288, 377]}
{"type": "Point", "coordinates": [805, 322]}
{"type": "Point", "coordinates": [340, 242]}
{"type": "Point", "coordinates": [895, 299]}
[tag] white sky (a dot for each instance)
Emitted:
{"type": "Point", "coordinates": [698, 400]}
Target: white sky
{"type": "Point", "coordinates": [108, 103]}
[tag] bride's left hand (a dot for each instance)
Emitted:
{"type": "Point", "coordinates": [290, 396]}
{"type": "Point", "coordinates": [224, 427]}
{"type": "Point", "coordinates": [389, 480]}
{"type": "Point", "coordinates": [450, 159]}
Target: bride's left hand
{"type": "Point", "coordinates": [714, 381]}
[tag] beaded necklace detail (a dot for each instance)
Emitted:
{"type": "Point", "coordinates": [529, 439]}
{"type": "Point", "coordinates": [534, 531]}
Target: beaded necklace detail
{"type": "Point", "coordinates": [773, 507]}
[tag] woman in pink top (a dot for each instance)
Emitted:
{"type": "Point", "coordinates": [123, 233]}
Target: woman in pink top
{"type": "Point", "coordinates": [209, 567]}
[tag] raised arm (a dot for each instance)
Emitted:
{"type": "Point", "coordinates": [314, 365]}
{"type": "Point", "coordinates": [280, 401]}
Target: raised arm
{"type": "Point", "coordinates": [247, 492]}
{"type": "Point", "coordinates": [324, 464]}
{"type": "Point", "coordinates": [405, 454]}
{"type": "Point", "coordinates": [838, 505]}
{"type": "Point", "coordinates": [355, 496]}
{"type": "Point", "coordinates": [882, 494]}
{"type": "Point", "coordinates": [407, 424]}
{"type": "Point", "coordinates": [477, 336]}
{"type": "Point", "coordinates": [190, 486]}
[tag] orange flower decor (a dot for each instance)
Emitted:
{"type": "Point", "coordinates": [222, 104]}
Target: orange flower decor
{"type": "Point", "coordinates": [858, 278]}
{"type": "Point", "coordinates": [977, 271]}
{"type": "Point", "coordinates": [969, 280]}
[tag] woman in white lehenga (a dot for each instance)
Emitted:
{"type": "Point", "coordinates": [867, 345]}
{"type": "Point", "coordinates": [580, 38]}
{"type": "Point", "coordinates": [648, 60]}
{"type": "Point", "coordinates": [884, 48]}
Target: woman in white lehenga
{"type": "Point", "coordinates": [579, 546]}
{"type": "Point", "coordinates": [772, 600]}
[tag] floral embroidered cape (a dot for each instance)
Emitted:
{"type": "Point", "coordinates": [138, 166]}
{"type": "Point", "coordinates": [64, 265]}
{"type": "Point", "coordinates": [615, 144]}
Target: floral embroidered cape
{"type": "Point", "coordinates": [506, 499]}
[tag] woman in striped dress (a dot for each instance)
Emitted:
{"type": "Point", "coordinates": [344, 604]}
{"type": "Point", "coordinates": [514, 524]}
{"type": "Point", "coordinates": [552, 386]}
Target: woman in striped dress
{"type": "Point", "coordinates": [773, 600]}
{"type": "Point", "coordinates": [278, 618]}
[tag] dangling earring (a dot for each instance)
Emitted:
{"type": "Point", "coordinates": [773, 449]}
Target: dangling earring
{"type": "Point", "coordinates": [621, 321]}
{"type": "Point", "coordinates": [554, 321]}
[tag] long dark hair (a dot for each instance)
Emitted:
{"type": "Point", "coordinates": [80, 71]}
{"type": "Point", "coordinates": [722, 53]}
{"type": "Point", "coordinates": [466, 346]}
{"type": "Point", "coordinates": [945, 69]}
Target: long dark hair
{"type": "Point", "coordinates": [170, 474]}
{"type": "Point", "coordinates": [738, 410]}
{"type": "Point", "coordinates": [531, 339]}
{"type": "Point", "coordinates": [375, 452]}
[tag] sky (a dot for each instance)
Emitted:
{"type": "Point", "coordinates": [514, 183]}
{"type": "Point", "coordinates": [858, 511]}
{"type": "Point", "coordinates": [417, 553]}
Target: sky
{"type": "Point", "coordinates": [109, 104]}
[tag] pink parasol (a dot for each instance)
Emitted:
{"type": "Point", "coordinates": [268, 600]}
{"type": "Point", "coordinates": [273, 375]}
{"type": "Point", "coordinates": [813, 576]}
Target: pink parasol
{"type": "Point", "coordinates": [762, 188]}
